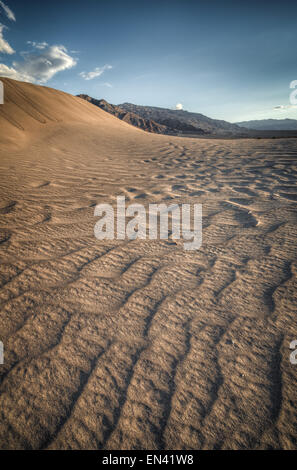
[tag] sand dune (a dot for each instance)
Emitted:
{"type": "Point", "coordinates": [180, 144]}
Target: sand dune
{"type": "Point", "coordinates": [140, 344]}
{"type": "Point", "coordinates": [30, 111]}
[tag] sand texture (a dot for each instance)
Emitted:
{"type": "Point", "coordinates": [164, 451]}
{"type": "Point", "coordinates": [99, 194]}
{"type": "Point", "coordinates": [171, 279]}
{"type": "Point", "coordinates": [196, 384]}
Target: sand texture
{"type": "Point", "coordinates": [139, 344]}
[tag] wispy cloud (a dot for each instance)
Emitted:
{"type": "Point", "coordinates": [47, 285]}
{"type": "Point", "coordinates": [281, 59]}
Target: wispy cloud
{"type": "Point", "coordinates": [97, 72]}
{"type": "Point", "coordinates": [41, 66]}
{"type": "Point", "coordinates": [285, 106]}
{"type": "Point", "coordinates": [8, 12]}
{"type": "Point", "coordinates": [38, 45]}
{"type": "Point", "coordinates": [5, 47]}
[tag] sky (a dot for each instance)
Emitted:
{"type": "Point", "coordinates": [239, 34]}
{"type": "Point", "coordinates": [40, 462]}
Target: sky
{"type": "Point", "coordinates": [228, 60]}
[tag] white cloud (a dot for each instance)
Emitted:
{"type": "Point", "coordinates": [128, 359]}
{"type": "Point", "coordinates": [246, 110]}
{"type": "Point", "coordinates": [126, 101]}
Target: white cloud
{"type": "Point", "coordinates": [178, 106]}
{"type": "Point", "coordinates": [5, 48]}
{"type": "Point", "coordinates": [97, 72]}
{"type": "Point", "coordinates": [38, 45]}
{"type": "Point", "coordinates": [10, 72]}
{"type": "Point", "coordinates": [40, 67]}
{"type": "Point", "coordinates": [8, 11]}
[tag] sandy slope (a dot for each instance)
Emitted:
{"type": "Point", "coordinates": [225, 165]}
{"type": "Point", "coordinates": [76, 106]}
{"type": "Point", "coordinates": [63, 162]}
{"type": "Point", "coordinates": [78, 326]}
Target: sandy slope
{"type": "Point", "coordinates": [140, 344]}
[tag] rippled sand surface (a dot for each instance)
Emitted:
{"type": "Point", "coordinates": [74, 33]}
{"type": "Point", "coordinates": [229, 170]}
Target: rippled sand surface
{"type": "Point", "coordinates": [140, 344]}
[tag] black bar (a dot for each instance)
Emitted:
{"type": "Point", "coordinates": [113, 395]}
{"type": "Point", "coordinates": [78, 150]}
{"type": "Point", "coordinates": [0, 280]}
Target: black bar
{"type": "Point", "coordinates": [149, 458]}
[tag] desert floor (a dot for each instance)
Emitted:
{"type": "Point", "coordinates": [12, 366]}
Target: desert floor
{"type": "Point", "coordinates": [140, 344]}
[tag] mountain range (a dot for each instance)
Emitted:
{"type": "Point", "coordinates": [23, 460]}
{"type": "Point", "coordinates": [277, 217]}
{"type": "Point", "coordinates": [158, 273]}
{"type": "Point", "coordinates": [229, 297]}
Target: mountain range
{"type": "Point", "coordinates": [184, 123]}
{"type": "Point", "coordinates": [270, 124]}
{"type": "Point", "coordinates": [166, 121]}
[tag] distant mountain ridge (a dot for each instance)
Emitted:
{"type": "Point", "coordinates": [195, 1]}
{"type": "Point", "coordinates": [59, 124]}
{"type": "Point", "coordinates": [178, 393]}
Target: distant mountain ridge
{"type": "Point", "coordinates": [270, 124]}
{"type": "Point", "coordinates": [166, 121]}
{"type": "Point", "coordinates": [183, 121]}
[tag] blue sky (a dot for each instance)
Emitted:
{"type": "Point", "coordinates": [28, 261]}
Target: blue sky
{"type": "Point", "coordinates": [228, 60]}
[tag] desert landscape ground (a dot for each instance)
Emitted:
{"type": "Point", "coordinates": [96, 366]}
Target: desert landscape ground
{"type": "Point", "coordinates": [139, 344]}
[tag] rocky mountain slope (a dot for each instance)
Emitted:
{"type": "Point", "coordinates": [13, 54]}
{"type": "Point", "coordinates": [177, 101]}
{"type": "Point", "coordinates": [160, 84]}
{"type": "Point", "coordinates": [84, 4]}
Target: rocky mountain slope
{"type": "Point", "coordinates": [129, 117]}
{"type": "Point", "coordinates": [183, 121]}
